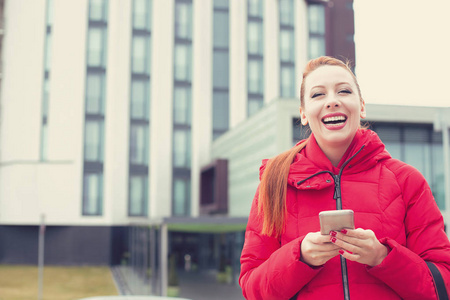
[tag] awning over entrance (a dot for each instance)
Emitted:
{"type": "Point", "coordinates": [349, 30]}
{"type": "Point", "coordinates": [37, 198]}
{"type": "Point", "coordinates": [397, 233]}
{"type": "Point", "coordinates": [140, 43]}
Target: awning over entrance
{"type": "Point", "coordinates": [201, 224]}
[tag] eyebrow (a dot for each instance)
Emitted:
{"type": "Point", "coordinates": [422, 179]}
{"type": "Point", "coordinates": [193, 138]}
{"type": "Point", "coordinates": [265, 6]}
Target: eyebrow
{"type": "Point", "coordinates": [340, 83]}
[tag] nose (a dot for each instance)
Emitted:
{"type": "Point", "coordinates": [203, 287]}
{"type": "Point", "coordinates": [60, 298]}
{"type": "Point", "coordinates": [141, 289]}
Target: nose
{"type": "Point", "coordinates": [332, 102]}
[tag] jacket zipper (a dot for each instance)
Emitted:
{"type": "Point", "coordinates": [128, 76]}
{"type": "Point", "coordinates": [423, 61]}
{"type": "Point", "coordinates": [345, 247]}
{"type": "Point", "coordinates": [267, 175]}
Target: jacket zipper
{"type": "Point", "coordinates": [338, 198]}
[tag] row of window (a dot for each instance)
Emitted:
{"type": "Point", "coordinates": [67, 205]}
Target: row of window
{"type": "Point", "coordinates": [140, 89]}
{"type": "Point", "coordinates": [182, 108]}
{"type": "Point", "coordinates": [139, 147]}
{"type": "Point", "coordinates": [95, 108]}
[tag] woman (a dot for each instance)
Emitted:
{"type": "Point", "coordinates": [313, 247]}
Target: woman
{"type": "Point", "coordinates": [341, 165]}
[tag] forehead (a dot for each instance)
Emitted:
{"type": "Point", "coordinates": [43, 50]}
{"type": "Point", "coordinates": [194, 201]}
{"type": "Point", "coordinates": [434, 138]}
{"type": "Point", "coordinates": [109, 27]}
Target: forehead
{"type": "Point", "coordinates": [328, 75]}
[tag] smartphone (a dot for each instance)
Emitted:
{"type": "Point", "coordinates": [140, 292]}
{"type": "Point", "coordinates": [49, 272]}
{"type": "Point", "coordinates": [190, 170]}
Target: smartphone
{"type": "Point", "coordinates": [336, 220]}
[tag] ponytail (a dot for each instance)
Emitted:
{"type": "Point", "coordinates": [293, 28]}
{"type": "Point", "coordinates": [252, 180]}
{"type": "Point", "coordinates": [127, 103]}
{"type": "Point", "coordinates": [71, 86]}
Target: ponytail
{"type": "Point", "coordinates": [273, 190]}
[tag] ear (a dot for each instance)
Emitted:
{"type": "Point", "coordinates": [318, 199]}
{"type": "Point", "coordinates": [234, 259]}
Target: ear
{"type": "Point", "coordinates": [303, 117]}
{"type": "Point", "coordinates": [363, 109]}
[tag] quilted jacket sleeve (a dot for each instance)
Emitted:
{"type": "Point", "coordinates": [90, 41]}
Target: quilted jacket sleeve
{"type": "Point", "coordinates": [269, 270]}
{"type": "Point", "coordinates": [404, 269]}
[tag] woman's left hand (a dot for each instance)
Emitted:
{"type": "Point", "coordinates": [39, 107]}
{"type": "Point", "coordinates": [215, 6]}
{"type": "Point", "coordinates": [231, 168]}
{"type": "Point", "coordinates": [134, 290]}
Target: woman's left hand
{"type": "Point", "coordinates": [360, 245]}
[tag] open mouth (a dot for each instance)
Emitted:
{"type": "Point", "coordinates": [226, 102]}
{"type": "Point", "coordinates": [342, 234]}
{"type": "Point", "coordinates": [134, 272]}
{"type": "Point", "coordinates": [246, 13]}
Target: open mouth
{"type": "Point", "coordinates": [335, 120]}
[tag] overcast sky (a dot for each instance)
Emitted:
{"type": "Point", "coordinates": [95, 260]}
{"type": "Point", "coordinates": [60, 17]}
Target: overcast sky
{"type": "Point", "coordinates": [403, 51]}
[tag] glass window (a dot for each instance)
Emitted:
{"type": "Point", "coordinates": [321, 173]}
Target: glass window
{"type": "Point", "coordinates": [182, 106]}
{"type": "Point", "coordinates": [183, 62]}
{"type": "Point", "coordinates": [316, 18]}
{"type": "Point", "coordinates": [221, 34]}
{"type": "Point", "coordinates": [92, 194]}
{"type": "Point", "coordinates": [254, 105]}
{"type": "Point", "coordinates": [255, 8]}
{"type": "Point", "coordinates": [220, 111]}
{"type": "Point", "coordinates": [138, 144]}
{"type": "Point", "coordinates": [220, 76]}
{"type": "Point", "coordinates": [138, 196]}
{"type": "Point", "coordinates": [44, 137]}
{"type": "Point", "coordinates": [287, 45]}
{"type": "Point", "coordinates": [49, 12]}
{"type": "Point", "coordinates": [45, 97]}
{"type": "Point", "coordinates": [255, 38]}
{"type": "Point", "coordinates": [183, 20]}
{"type": "Point", "coordinates": [316, 47]}
{"type": "Point", "coordinates": [255, 73]}
{"type": "Point", "coordinates": [287, 81]}
{"type": "Point", "coordinates": [95, 47]}
{"type": "Point", "coordinates": [391, 137]}
{"type": "Point", "coordinates": [140, 50]}
{"type": "Point", "coordinates": [438, 179]}
{"type": "Point", "coordinates": [97, 11]}
{"type": "Point", "coordinates": [141, 14]}
{"type": "Point", "coordinates": [139, 99]}
{"type": "Point", "coordinates": [48, 51]}
{"type": "Point", "coordinates": [220, 3]}
{"type": "Point", "coordinates": [93, 148]}
{"type": "Point", "coordinates": [181, 148]}
{"type": "Point", "coordinates": [181, 196]}
{"type": "Point", "coordinates": [417, 150]}
{"type": "Point", "coordinates": [94, 93]}
{"type": "Point", "coordinates": [286, 12]}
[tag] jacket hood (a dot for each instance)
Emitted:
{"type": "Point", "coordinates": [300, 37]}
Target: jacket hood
{"type": "Point", "coordinates": [363, 153]}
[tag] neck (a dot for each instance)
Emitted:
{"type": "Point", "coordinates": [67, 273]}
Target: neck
{"type": "Point", "coordinates": [334, 154]}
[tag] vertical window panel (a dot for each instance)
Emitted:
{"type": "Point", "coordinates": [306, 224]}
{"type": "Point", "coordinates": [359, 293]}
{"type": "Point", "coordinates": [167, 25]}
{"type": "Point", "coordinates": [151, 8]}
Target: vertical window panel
{"type": "Point", "coordinates": [139, 144]}
{"type": "Point", "coordinates": [221, 3]}
{"type": "Point", "coordinates": [255, 8]}
{"type": "Point", "coordinates": [183, 59]}
{"type": "Point", "coordinates": [138, 195]}
{"type": "Point", "coordinates": [48, 51]}
{"type": "Point", "coordinates": [49, 13]}
{"type": "Point", "coordinates": [316, 47]}
{"type": "Point", "coordinates": [287, 46]}
{"type": "Point", "coordinates": [97, 10]}
{"type": "Point", "coordinates": [182, 106]}
{"type": "Point", "coordinates": [92, 194]}
{"type": "Point", "coordinates": [139, 99]}
{"type": "Point", "coordinates": [287, 81]}
{"type": "Point", "coordinates": [183, 20]}
{"type": "Point", "coordinates": [286, 12]}
{"type": "Point", "coordinates": [181, 196]}
{"type": "Point", "coordinates": [316, 18]}
{"type": "Point", "coordinates": [182, 148]}
{"type": "Point", "coordinates": [141, 14]}
{"type": "Point", "coordinates": [45, 98]}
{"type": "Point", "coordinates": [254, 105]}
{"type": "Point", "coordinates": [255, 76]}
{"type": "Point", "coordinates": [221, 34]}
{"type": "Point", "coordinates": [96, 45]}
{"type": "Point", "coordinates": [44, 141]}
{"type": "Point", "coordinates": [140, 54]}
{"type": "Point", "coordinates": [417, 150]}
{"type": "Point", "coordinates": [221, 65]}
{"type": "Point", "coordinates": [220, 111]}
{"type": "Point", "coordinates": [93, 143]}
{"type": "Point", "coordinates": [255, 38]}
{"type": "Point", "coordinates": [94, 93]}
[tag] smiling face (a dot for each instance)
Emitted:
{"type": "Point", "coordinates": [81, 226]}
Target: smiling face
{"type": "Point", "coordinates": [332, 106]}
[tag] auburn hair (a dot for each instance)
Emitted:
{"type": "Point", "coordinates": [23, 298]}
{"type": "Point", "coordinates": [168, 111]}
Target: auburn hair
{"type": "Point", "coordinates": [273, 187]}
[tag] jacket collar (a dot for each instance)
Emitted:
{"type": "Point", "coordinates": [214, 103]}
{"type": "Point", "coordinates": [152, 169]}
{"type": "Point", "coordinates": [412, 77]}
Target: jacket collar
{"type": "Point", "coordinates": [312, 160]}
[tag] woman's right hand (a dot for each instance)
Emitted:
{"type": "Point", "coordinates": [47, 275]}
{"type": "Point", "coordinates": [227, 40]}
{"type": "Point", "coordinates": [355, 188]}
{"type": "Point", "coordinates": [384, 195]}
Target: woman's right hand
{"type": "Point", "coordinates": [316, 249]}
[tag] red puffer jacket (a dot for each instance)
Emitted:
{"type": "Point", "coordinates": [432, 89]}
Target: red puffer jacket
{"type": "Point", "coordinates": [388, 196]}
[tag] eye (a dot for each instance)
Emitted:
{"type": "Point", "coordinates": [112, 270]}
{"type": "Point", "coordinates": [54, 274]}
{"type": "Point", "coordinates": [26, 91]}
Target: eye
{"type": "Point", "coordinates": [317, 95]}
{"type": "Point", "coordinates": [345, 92]}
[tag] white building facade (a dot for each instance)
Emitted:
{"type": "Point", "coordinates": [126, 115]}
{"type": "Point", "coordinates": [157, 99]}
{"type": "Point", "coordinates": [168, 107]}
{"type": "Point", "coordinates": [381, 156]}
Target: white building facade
{"type": "Point", "coordinates": [110, 109]}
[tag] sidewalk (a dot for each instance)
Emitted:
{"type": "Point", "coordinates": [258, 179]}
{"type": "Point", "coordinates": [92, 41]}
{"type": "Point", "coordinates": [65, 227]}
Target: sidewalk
{"type": "Point", "coordinates": [203, 286]}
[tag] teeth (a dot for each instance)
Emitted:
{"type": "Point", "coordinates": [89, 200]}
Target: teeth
{"type": "Point", "coordinates": [334, 119]}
